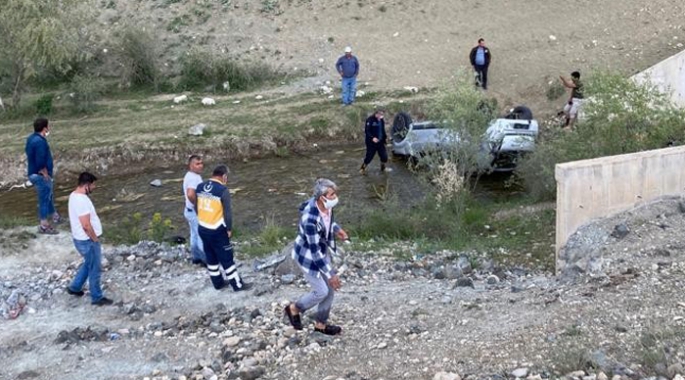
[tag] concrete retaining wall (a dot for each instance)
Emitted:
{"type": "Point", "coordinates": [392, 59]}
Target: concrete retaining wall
{"type": "Point", "coordinates": [669, 76]}
{"type": "Point", "coordinates": [604, 186]}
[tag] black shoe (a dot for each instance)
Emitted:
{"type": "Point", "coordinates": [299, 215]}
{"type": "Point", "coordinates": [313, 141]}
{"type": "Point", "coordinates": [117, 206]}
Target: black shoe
{"type": "Point", "coordinates": [78, 293]}
{"type": "Point", "coordinates": [329, 330]}
{"type": "Point", "coordinates": [294, 319]}
{"type": "Point", "coordinates": [104, 301]}
{"type": "Point", "coordinates": [199, 262]}
{"type": "Point", "coordinates": [243, 288]}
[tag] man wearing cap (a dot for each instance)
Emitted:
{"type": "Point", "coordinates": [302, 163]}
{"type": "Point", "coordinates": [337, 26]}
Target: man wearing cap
{"type": "Point", "coordinates": [348, 67]}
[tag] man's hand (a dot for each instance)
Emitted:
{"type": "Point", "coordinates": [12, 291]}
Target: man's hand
{"type": "Point", "coordinates": [230, 234]}
{"type": "Point", "coordinates": [334, 282]}
{"type": "Point", "coordinates": [342, 235]}
{"type": "Point", "coordinates": [375, 140]}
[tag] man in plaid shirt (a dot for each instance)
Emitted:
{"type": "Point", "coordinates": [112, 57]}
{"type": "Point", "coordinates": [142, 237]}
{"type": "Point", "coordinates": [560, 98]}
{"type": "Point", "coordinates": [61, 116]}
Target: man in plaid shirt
{"type": "Point", "coordinates": [315, 240]}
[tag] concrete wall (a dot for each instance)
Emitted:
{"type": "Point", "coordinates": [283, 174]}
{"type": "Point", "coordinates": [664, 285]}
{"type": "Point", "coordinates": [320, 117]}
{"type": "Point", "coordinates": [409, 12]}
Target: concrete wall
{"type": "Point", "coordinates": [603, 186]}
{"type": "Point", "coordinates": [669, 76]}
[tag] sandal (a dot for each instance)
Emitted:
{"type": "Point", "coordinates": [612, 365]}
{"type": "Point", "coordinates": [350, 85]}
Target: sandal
{"type": "Point", "coordinates": [294, 319]}
{"type": "Point", "coordinates": [329, 330]}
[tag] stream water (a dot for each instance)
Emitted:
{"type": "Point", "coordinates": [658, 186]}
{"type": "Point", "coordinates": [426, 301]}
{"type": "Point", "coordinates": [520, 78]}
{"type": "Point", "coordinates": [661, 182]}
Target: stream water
{"type": "Point", "coordinates": [262, 189]}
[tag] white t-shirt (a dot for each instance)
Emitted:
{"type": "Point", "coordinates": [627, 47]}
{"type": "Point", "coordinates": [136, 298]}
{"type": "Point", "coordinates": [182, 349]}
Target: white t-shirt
{"type": "Point", "coordinates": [79, 205]}
{"type": "Point", "coordinates": [191, 180]}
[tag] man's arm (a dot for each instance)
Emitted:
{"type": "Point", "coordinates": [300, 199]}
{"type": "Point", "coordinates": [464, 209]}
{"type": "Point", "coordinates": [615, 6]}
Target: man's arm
{"type": "Point", "coordinates": [338, 66]}
{"type": "Point", "coordinates": [567, 83]}
{"type": "Point", "coordinates": [472, 57]}
{"type": "Point", "coordinates": [228, 218]}
{"type": "Point", "coordinates": [356, 67]}
{"type": "Point", "coordinates": [87, 227]}
{"type": "Point", "coordinates": [192, 197]}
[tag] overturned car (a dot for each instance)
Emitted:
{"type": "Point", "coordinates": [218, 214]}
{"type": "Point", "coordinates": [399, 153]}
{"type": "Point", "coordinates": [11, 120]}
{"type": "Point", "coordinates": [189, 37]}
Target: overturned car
{"type": "Point", "coordinates": [504, 141]}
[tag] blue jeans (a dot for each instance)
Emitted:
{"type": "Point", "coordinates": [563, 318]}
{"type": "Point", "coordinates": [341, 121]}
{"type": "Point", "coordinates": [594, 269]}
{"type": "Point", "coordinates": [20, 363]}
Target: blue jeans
{"type": "Point", "coordinates": [90, 269]}
{"type": "Point", "coordinates": [46, 205]}
{"type": "Point", "coordinates": [196, 249]}
{"type": "Point", "coordinates": [349, 88]}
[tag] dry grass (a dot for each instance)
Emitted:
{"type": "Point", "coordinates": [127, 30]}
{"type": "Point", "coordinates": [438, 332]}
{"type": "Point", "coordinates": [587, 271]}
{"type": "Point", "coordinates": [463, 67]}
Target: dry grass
{"type": "Point", "coordinates": [123, 131]}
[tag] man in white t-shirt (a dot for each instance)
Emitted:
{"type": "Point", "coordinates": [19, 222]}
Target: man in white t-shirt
{"type": "Point", "coordinates": [86, 230]}
{"type": "Point", "coordinates": [193, 178]}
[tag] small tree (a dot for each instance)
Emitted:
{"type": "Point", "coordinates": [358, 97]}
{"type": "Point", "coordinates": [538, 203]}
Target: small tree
{"type": "Point", "coordinates": [39, 33]}
{"type": "Point", "coordinates": [620, 116]}
{"type": "Point", "coordinates": [465, 113]}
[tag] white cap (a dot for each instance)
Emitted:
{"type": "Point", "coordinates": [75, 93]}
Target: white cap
{"type": "Point", "coordinates": [348, 49]}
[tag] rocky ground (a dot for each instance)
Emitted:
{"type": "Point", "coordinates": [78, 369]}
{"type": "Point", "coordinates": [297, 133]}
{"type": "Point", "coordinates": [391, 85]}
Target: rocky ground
{"type": "Point", "coordinates": [405, 313]}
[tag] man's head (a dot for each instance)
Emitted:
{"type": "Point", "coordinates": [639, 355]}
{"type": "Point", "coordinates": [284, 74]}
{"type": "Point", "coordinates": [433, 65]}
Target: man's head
{"type": "Point", "coordinates": [195, 164]}
{"type": "Point", "coordinates": [481, 42]}
{"type": "Point", "coordinates": [379, 113]}
{"type": "Point", "coordinates": [41, 125]}
{"type": "Point", "coordinates": [575, 75]}
{"type": "Point", "coordinates": [326, 193]}
{"type": "Point", "coordinates": [348, 51]}
{"type": "Point", "coordinates": [87, 181]}
{"type": "Point", "coordinates": [221, 173]}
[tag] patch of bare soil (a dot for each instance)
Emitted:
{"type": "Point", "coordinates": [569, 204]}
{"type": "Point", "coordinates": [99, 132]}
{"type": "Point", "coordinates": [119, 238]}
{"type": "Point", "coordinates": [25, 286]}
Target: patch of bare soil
{"type": "Point", "coordinates": [430, 316]}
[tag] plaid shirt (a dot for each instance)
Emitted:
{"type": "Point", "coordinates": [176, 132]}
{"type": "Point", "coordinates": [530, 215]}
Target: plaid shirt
{"type": "Point", "coordinates": [311, 244]}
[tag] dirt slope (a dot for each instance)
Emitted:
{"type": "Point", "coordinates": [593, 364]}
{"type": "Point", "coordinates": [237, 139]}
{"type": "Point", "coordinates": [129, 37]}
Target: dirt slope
{"type": "Point", "coordinates": [422, 43]}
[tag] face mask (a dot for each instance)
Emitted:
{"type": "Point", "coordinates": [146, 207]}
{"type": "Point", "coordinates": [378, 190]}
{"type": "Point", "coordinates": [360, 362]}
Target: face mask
{"type": "Point", "coordinates": [47, 133]}
{"type": "Point", "coordinates": [330, 203]}
{"type": "Point", "coordinates": [88, 190]}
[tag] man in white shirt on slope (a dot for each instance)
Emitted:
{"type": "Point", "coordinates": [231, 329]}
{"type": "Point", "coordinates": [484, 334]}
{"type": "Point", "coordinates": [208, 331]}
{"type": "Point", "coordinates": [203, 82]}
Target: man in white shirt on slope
{"type": "Point", "coordinates": [193, 178]}
{"type": "Point", "coordinates": [86, 230]}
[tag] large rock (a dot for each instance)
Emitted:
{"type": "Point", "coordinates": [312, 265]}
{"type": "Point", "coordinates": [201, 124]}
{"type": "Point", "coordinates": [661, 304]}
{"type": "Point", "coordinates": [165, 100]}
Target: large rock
{"type": "Point", "coordinates": [197, 129]}
{"type": "Point", "coordinates": [289, 265]}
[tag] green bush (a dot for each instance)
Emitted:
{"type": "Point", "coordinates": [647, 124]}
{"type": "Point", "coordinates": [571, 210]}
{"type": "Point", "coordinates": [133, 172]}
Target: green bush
{"type": "Point", "coordinates": [201, 68]}
{"type": "Point", "coordinates": [620, 117]}
{"type": "Point", "coordinates": [85, 91]}
{"type": "Point", "coordinates": [132, 230]}
{"type": "Point", "coordinates": [44, 104]}
{"type": "Point", "coordinates": [158, 228]}
{"type": "Point", "coordinates": [138, 57]}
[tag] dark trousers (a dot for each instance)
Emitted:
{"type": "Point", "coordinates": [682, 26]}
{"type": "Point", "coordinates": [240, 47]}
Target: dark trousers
{"type": "Point", "coordinates": [219, 253]}
{"type": "Point", "coordinates": [373, 148]}
{"type": "Point", "coordinates": [482, 72]}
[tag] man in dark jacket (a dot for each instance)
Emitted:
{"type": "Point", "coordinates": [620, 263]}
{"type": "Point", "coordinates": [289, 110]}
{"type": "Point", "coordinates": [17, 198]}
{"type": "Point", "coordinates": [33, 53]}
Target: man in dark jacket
{"type": "Point", "coordinates": [375, 139]}
{"type": "Point", "coordinates": [40, 166]}
{"type": "Point", "coordinates": [348, 68]}
{"type": "Point", "coordinates": [480, 60]}
{"type": "Point", "coordinates": [215, 224]}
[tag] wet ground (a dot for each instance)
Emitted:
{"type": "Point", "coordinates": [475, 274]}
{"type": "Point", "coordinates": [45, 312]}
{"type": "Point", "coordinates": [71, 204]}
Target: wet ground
{"type": "Point", "coordinates": [268, 188]}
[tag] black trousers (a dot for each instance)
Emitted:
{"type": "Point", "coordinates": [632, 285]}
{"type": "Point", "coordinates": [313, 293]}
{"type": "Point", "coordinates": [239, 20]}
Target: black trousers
{"type": "Point", "coordinates": [482, 72]}
{"type": "Point", "coordinates": [219, 252]}
{"type": "Point", "coordinates": [373, 148]}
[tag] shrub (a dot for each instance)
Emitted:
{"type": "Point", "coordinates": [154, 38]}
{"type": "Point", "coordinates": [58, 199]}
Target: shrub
{"type": "Point", "coordinates": [137, 56]}
{"type": "Point", "coordinates": [158, 228]}
{"type": "Point", "coordinates": [201, 68]}
{"type": "Point", "coordinates": [620, 117]}
{"type": "Point", "coordinates": [85, 91]}
{"type": "Point", "coordinates": [44, 104]}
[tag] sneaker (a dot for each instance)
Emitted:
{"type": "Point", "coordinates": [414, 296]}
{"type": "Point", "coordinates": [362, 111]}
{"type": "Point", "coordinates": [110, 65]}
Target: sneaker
{"type": "Point", "coordinates": [49, 230]}
{"type": "Point", "coordinates": [386, 170]}
{"type": "Point", "coordinates": [244, 288]}
{"type": "Point", "coordinates": [76, 293]}
{"type": "Point", "coordinates": [104, 301]}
